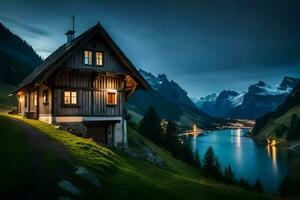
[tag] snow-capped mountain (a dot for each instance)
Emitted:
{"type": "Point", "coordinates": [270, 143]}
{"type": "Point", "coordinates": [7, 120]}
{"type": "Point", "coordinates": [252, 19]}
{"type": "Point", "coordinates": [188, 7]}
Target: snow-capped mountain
{"type": "Point", "coordinates": [205, 100]}
{"type": "Point", "coordinates": [288, 83]}
{"type": "Point", "coordinates": [258, 100]}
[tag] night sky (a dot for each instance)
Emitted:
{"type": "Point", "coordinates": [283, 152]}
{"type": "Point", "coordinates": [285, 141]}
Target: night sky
{"type": "Point", "coordinates": [205, 46]}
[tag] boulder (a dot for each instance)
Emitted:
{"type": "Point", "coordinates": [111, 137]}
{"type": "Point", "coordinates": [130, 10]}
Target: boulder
{"type": "Point", "coordinates": [69, 187]}
{"type": "Point", "coordinates": [88, 176]}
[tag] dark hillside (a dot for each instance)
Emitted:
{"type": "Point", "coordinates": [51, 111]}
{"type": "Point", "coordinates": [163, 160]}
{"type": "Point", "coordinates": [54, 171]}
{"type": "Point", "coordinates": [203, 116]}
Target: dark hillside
{"type": "Point", "coordinates": [17, 57]}
{"type": "Point", "coordinates": [291, 103]}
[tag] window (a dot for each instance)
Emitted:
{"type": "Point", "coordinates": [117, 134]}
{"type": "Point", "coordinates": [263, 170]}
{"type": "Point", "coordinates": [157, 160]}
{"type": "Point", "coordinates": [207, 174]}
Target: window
{"type": "Point", "coordinates": [99, 58]}
{"type": "Point", "coordinates": [111, 98]}
{"type": "Point", "coordinates": [70, 97]}
{"type": "Point", "coordinates": [45, 96]}
{"type": "Point", "coordinates": [88, 57]}
{"type": "Point", "coordinates": [34, 100]}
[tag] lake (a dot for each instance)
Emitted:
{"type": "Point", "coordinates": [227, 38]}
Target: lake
{"type": "Point", "coordinates": [247, 158]}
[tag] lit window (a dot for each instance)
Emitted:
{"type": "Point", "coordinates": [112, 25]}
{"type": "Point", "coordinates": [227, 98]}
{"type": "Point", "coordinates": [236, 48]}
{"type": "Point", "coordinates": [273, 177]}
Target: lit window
{"type": "Point", "coordinates": [45, 96]}
{"type": "Point", "coordinates": [111, 98]}
{"type": "Point", "coordinates": [99, 58]}
{"type": "Point", "coordinates": [88, 57]}
{"type": "Point", "coordinates": [35, 100]}
{"type": "Point", "coordinates": [73, 97]}
{"type": "Point", "coordinates": [70, 97]}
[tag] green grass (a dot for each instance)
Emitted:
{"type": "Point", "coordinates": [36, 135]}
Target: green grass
{"type": "Point", "coordinates": [13, 143]}
{"type": "Point", "coordinates": [5, 101]}
{"type": "Point", "coordinates": [18, 172]}
{"type": "Point", "coordinates": [125, 177]}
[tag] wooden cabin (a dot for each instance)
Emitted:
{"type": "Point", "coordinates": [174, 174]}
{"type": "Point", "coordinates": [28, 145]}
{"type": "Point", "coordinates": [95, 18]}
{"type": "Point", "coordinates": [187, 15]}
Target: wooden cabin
{"type": "Point", "coordinates": [86, 82]}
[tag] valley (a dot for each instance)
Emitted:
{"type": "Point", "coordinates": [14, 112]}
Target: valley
{"type": "Point", "coordinates": [154, 141]}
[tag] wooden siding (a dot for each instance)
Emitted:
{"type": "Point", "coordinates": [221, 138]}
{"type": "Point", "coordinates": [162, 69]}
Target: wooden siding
{"type": "Point", "coordinates": [44, 108]}
{"type": "Point", "coordinates": [91, 90]}
{"type": "Point", "coordinates": [31, 104]}
{"type": "Point", "coordinates": [111, 63]}
{"type": "Point", "coordinates": [21, 103]}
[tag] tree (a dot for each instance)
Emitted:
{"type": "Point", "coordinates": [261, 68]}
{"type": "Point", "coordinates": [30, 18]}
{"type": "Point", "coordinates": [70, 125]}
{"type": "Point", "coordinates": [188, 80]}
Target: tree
{"type": "Point", "coordinates": [280, 129]}
{"type": "Point", "coordinates": [197, 159]}
{"type": "Point", "coordinates": [244, 184]}
{"type": "Point", "coordinates": [211, 164]}
{"type": "Point", "coordinates": [171, 142]}
{"type": "Point", "coordinates": [284, 187]}
{"type": "Point", "coordinates": [171, 128]}
{"type": "Point", "coordinates": [150, 126]}
{"type": "Point", "coordinates": [258, 186]}
{"type": "Point", "coordinates": [228, 175]}
{"type": "Point", "coordinates": [293, 132]}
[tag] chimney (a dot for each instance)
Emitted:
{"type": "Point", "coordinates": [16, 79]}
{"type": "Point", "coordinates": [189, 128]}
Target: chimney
{"type": "Point", "coordinates": [70, 33]}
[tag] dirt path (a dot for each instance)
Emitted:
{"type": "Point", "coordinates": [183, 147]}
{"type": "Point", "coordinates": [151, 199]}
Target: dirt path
{"type": "Point", "coordinates": [40, 143]}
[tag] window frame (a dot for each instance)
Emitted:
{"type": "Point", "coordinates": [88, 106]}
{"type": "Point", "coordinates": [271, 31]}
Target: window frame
{"type": "Point", "coordinates": [70, 104]}
{"type": "Point", "coordinates": [102, 52]}
{"type": "Point", "coordinates": [46, 96]}
{"type": "Point", "coordinates": [92, 57]}
{"type": "Point", "coordinates": [115, 100]}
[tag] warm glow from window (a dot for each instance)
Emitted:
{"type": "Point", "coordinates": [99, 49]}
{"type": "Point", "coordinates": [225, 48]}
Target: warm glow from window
{"type": "Point", "coordinates": [45, 96]}
{"type": "Point", "coordinates": [99, 58]}
{"type": "Point", "coordinates": [111, 98]}
{"type": "Point", "coordinates": [88, 57]}
{"type": "Point", "coordinates": [74, 97]}
{"type": "Point", "coordinates": [35, 100]}
{"type": "Point", "coordinates": [70, 97]}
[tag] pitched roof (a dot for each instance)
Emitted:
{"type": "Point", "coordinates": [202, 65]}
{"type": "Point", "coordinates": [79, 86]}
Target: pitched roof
{"type": "Point", "coordinates": [52, 61]}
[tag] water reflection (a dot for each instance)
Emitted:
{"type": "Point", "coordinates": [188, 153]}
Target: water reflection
{"type": "Point", "coordinates": [268, 150]}
{"type": "Point", "coordinates": [274, 158]}
{"type": "Point", "coordinates": [272, 154]}
{"type": "Point", "coordinates": [238, 138]}
{"type": "Point", "coordinates": [248, 159]}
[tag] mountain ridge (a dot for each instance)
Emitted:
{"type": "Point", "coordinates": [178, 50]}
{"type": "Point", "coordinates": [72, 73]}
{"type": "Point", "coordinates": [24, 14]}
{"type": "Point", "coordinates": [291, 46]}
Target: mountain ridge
{"type": "Point", "coordinates": [170, 101]}
{"type": "Point", "coordinates": [260, 99]}
{"type": "Point", "coordinates": [17, 57]}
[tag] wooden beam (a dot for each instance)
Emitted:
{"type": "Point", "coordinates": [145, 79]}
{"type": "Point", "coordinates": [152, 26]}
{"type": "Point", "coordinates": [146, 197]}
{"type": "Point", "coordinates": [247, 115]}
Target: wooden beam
{"type": "Point", "coordinates": [38, 102]}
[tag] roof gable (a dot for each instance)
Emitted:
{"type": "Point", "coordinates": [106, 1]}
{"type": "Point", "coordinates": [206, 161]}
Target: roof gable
{"type": "Point", "coordinates": [53, 61]}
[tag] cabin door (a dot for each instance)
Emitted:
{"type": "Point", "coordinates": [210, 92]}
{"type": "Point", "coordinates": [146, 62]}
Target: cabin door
{"type": "Point", "coordinates": [98, 133]}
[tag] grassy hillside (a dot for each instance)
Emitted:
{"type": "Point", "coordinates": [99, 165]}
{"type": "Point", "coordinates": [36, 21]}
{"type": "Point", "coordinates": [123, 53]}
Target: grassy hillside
{"type": "Point", "coordinates": [121, 176]}
{"type": "Point", "coordinates": [269, 130]}
{"type": "Point", "coordinates": [5, 101]}
{"type": "Point", "coordinates": [278, 123]}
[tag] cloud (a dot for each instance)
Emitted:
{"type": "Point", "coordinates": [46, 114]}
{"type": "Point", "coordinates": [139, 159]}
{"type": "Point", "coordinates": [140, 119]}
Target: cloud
{"type": "Point", "coordinates": [27, 27]}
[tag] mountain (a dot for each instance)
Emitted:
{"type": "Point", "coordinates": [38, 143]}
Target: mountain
{"type": "Point", "coordinates": [260, 99]}
{"type": "Point", "coordinates": [17, 58]}
{"type": "Point", "coordinates": [170, 101]}
{"type": "Point", "coordinates": [205, 102]}
{"type": "Point", "coordinates": [282, 123]}
{"type": "Point", "coordinates": [168, 89]}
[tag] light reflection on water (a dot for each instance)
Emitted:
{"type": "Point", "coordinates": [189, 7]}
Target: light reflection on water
{"type": "Point", "coordinates": [247, 158]}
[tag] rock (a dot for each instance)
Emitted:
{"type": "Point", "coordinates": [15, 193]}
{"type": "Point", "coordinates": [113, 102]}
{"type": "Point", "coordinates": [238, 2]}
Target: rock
{"type": "Point", "coordinates": [146, 154]}
{"type": "Point", "coordinates": [88, 176]}
{"type": "Point", "coordinates": [68, 186]}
